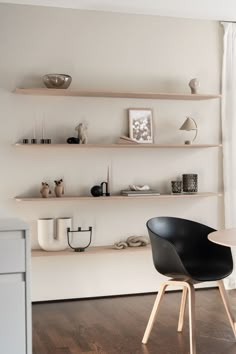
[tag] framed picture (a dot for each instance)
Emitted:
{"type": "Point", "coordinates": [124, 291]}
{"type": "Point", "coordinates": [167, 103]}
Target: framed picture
{"type": "Point", "coordinates": [140, 125]}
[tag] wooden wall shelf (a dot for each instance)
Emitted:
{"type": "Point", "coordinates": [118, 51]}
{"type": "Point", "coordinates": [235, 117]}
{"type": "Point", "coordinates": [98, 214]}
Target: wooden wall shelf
{"type": "Point", "coordinates": [116, 146]}
{"type": "Point", "coordinates": [115, 94]}
{"type": "Point", "coordinates": [89, 250]}
{"type": "Point", "coordinates": [116, 197]}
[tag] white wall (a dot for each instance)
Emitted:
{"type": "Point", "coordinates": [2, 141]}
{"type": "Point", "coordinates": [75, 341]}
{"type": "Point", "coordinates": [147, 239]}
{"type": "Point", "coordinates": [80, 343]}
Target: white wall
{"type": "Point", "coordinates": [106, 52]}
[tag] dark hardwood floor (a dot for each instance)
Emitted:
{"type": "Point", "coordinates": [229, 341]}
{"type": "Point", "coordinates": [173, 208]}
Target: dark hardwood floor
{"type": "Point", "coordinates": [116, 325]}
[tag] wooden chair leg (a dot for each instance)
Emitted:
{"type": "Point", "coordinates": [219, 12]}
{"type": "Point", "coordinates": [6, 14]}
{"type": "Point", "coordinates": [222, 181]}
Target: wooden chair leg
{"type": "Point", "coordinates": [182, 309]}
{"type": "Point", "coordinates": [154, 313]}
{"type": "Point", "coordinates": [191, 303]}
{"type": "Point", "coordinates": [225, 299]}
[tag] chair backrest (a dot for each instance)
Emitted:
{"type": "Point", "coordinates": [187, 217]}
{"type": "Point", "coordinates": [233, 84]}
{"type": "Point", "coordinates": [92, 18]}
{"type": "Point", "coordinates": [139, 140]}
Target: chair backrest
{"type": "Point", "coordinates": [176, 242]}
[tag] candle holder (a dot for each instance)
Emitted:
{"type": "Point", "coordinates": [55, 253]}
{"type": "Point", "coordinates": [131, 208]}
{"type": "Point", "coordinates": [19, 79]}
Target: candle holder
{"type": "Point", "coordinates": [190, 183]}
{"type": "Point", "coordinates": [79, 249]}
{"type": "Point", "coordinates": [176, 187]}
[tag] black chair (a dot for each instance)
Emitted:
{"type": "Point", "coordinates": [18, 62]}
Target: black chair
{"type": "Point", "coordinates": [182, 251]}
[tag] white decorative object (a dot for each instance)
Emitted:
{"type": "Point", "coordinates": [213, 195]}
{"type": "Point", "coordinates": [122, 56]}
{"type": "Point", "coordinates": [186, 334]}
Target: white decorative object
{"type": "Point", "coordinates": [51, 237]}
{"type": "Point", "coordinates": [82, 133]}
{"type": "Point", "coordinates": [194, 85]}
{"type": "Point", "coordinates": [120, 245]}
{"type": "Point", "coordinates": [135, 187]}
{"type": "Point", "coordinates": [137, 241]}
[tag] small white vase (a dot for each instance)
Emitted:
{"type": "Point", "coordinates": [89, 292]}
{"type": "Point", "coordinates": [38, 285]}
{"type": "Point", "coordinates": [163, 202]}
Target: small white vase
{"type": "Point", "coordinates": [51, 237]}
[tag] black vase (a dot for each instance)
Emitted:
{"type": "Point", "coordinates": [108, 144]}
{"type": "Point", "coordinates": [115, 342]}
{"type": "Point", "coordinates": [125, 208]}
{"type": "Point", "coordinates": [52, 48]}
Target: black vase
{"type": "Point", "coordinates": [96, 191]}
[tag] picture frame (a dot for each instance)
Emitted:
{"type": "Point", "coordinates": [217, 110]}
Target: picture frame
{"type": "Point", "coordinates": [141, 125]}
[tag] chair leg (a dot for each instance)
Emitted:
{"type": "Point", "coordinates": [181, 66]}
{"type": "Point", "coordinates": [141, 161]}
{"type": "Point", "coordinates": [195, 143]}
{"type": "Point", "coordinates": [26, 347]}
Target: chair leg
{"type": "Point", "coordinates": [191, 303]}
{"type": "Point", "coordinates": [154, 313]}
{"type": "Point", "coordinates": [182, 309]}
{"type": "Point", "coordinates": [225, 299]}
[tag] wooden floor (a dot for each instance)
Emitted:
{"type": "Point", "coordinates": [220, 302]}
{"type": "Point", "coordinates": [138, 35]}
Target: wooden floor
{"type": "Point", "coordinates": [116, 325]}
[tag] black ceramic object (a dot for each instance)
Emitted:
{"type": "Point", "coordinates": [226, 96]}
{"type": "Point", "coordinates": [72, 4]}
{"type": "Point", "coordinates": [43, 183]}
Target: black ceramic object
{"type": "Point", "coordinates": [73, 140]}
{"type": "Point", "coordinates": [102, 190]}
{"type": "Point", "coordinates": [96, 191]}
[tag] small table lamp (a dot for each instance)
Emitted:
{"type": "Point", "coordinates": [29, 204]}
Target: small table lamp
{"type": "Point", "coordinates": [188, 125]}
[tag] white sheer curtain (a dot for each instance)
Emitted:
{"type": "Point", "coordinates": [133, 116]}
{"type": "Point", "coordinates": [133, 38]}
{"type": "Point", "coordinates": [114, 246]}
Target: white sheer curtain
{"type": "Point", "coordinates": [229, 122]}
{"type": "Point", "coordinates": [229, 131]}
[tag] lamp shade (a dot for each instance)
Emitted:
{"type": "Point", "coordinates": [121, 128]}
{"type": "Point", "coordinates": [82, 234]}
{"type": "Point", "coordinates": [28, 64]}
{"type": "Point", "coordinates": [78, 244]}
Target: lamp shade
{"type": "Point", "coordinates": [189, 124]}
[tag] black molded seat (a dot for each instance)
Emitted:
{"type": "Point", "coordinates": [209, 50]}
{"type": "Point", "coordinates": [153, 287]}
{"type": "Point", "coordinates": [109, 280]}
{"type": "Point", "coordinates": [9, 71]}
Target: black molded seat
{"type": "Point", "coordinates": [182, 251]}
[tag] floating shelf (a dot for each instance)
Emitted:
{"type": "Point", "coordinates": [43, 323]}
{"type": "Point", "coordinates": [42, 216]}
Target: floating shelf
{"type": "Point", "coordinates": [116, 197]}
{"type": "Point", "coordinates": [111, 146]}
{"type": "Point", "coordinates": [115, 94]}
{"type": "Point", "coordinates": [90, 250]}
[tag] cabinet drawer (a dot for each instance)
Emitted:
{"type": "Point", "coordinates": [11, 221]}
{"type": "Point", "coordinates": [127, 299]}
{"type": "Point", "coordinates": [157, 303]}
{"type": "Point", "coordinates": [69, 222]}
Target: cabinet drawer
{"type": "Point", "coordinates": [12, 255]}
{"type": "Point", "coordinates": [13, 318]}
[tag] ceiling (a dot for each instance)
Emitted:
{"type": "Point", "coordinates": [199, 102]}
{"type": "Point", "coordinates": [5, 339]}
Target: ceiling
{"type": "Point", "coordinates": [198, 9]}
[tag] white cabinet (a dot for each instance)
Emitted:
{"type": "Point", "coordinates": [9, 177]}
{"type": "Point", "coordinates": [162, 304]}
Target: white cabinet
{"type": "Point", "coordinates": [15, 304]}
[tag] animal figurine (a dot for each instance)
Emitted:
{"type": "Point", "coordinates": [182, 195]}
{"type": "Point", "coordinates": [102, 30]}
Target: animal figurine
{"type": "Point", "coordinates": [194, 85]}
{"type": "Point", "coordinates": [82, 133]}
{"type": "Point", "coordinates": [45, 190]}
{"type": "Point", "coordinates": [59, 187]}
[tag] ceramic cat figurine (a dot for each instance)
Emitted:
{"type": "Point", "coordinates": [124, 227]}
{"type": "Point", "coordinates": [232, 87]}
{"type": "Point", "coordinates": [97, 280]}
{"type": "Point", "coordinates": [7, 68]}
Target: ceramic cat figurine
{"type": "Point", "coordinates": [59, 188]}
{"type": "Point", "coordinates": [45, 190]}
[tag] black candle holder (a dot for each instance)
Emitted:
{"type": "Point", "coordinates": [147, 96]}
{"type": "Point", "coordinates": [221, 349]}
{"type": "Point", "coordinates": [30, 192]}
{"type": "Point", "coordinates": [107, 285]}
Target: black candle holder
{"type": "Point", "coordinates": [79, 249]}
{"type": "Point", "coordinates": [190, 183]}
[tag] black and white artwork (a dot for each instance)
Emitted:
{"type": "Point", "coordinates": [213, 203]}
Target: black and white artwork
{"type": "Point", "coordinates": [140, 125]}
